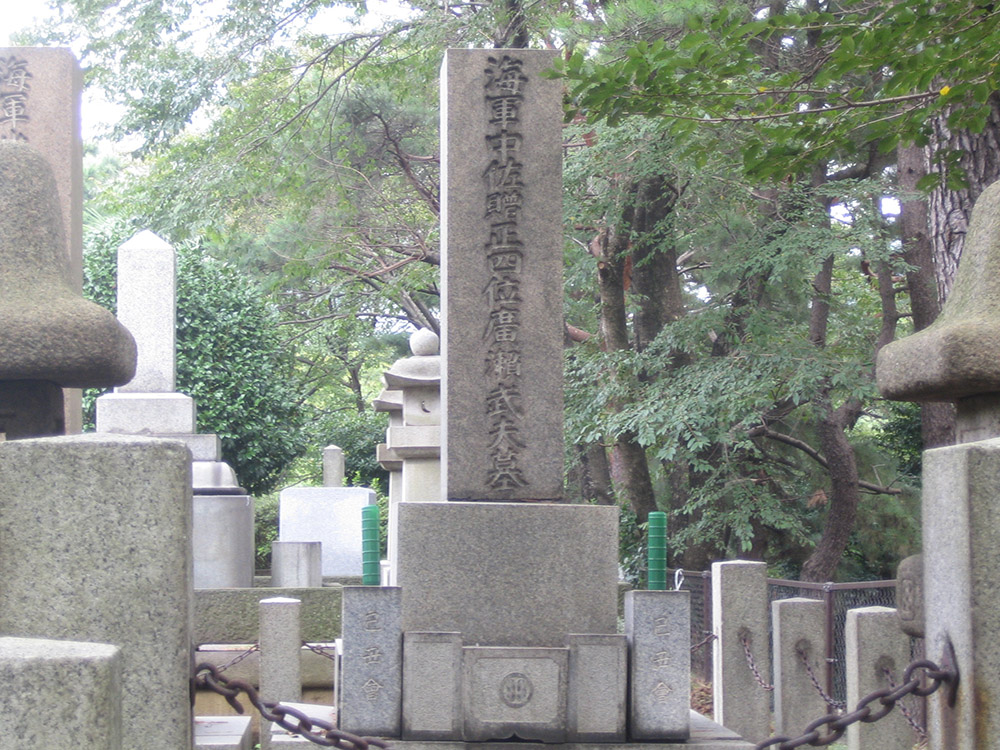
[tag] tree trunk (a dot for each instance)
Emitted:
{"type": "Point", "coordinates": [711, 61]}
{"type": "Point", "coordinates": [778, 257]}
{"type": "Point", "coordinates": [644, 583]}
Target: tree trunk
{"type": "Point", "coordinates": [937, 419]}
{"type": "Point", "coordinates": [950, 209]}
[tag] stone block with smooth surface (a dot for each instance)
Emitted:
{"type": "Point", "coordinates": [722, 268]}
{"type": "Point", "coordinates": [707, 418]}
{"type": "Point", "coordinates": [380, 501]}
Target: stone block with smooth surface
{"type": "Point", "coordinates": [370, 689]}
{"type": "Point", "coordinates": [876, 655]}
{"type": "Point", "coordinates": [515, 692]}
{"type": "Point", "coordinates": [961, 535]}
{"type": "Point", "coordinates": [117, 510]}
{"type": "Point", "coordinates": [54, 690]}
{"type": "Point", "coordinates": [331, 515]}
{"type": "Point", "coordinates": [509, 574]}
{"type": "Point", "coordinates": [223, 541]}
{"type": "Point", "coordinates": [658, 627]}
{"type": "Point", "coordinates": [598, 675]}
{"type": "Point", "coordinates": [296, 564]}
{"type": "Point", "coordinates": [222, 733]}
{"type": "Point", "coordinates": [739, 611]}
{"type": "Point", "coordinates": [333, 466]}
{"type": "Point", "coordinates": [501, 272]}
{"type": "Point", "coordinates": [799, 627]}
{"type": "Point", "coordinates": [147, 281]}
{"type": "Point", "coordinates": [432, 686]}
{"type": "Point", "coordinates": [160, 414]}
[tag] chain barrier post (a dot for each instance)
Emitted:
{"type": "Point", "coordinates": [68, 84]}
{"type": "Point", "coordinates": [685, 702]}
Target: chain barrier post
{"type": "Point", "coordinates": [656, 551]}
{"type": "Point", "coordinates": [871, 708]}
{"type": "Point", "coordinates": [873, 643]}
{"type": "Point", "coordinates": [280, 647]}
{"type": "Point", "coordinates": [799, 647]}
{"type": "Point", "coordinates": [740, 622]}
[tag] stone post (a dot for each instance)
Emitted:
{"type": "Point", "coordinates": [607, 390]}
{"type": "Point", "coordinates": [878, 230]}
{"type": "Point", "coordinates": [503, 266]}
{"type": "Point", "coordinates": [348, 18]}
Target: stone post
{"type": "Point", "coordinates": [96, 534]}
{"type": "Point", "coordinates": [958, 359]}
{"type": "Point", "coordinates": [739, 614]}
{"type": "Point", "coordinates": [280, 649]}
{"type": "Point", "coordinates": [799, 627]}
{"type": "Point", "coordinates": [876, 654]}
{"type": "Point", "coordinates": [54, 690]}
{"type": "Point", "coordinates": [333, 466]}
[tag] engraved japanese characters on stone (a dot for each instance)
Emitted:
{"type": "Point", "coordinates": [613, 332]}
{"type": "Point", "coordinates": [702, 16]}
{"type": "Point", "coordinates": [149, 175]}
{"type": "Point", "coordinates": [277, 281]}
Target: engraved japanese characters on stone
{"type": "Point", "coordinates": [516, 689]}
{"type": "Point", "coordinates": [15, 87]}
{"type": "Point", "coordinates": [504, 257]}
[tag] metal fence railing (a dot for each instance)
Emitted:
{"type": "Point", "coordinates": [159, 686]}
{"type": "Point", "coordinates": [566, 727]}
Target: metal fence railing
{"type": "Point", "coordinates": [838, 597]}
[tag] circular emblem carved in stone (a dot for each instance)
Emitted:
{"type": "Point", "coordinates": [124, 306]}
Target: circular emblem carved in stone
{"type": "Point", "coordinates": [516, 689]}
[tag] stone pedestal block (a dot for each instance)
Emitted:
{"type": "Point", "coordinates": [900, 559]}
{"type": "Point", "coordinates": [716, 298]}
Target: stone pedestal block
{"type": "Point", "coordinates": [146, 413]}
{"type": "Point", "coordinates": [876, 654]}
{"type": "Point", "coordinates": [598, 675]}
{"type": "Point", "coordinates": [223, 541]}
{"type": "Point", "coordinates": [54, 690]}
{"type": "Point", "coordinates": [222, 733]}
{"type": "Point", "coordinates": [370, 690]}
{"type": "Point", "coordinates": [296, 564]}
{"type": "Point", "coordinates": [331, 515]}
{"type": "Point", "coordinates": [432, 686]}
{"type": "Point", "coordinates": [509, 574]}
{"type": "Point", "coordinates": [515, 693]}
{"type": "Point", "coordinates": [658, 627]}
{"type": "Point", "coordinates": [799, 627]}
{"type": "Point", "coordinates": [739, 612]}
{"type": "Point", "coordinates": [961, 535]}
{"type": "Point", "coordinates": [117, 511]}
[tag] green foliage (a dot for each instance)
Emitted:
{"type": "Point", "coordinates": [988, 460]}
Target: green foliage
{"type": "Point", "coordinates": [803, 87]}
{"type": "Point", "coordinates": [265, 529]}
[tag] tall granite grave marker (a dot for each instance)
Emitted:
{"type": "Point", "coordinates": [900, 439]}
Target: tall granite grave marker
{"type": "Point", "coordinates": [501, 225]}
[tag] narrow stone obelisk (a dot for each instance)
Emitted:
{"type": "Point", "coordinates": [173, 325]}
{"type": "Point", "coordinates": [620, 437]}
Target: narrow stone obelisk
{"type": "Point", "coordinates": [501, 228]}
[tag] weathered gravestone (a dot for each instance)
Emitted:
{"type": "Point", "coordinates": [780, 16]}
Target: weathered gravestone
{"type": "Point", "coordinates": [150, 405]}
{"type": "Point", "coordinates": [958, 359]}
{"type": "Point", "coordinates": [509, 595]}
{"type": "Point", "coordinates": [40, 105]}
{"type": "Point", "coordinates": [50, 337]}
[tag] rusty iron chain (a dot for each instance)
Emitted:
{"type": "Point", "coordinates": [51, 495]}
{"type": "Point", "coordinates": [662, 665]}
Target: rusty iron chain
{"type": "Point", "coordinates": [704, 642]}
{"type": "Point", "coordinates": [887, 697]}
{"type": "Point", "coordinates": [316, 731]}
{"type": "Point", "coordinates": [325, 651]}
{"type": "Point", "coordinates": [233, 662]}
{"type": "Point", "coordinates": [920, 731]}
{"type": "Point", "coordinates": [828, 699]}
{"type": "Point", "coordinates": [753, 665]}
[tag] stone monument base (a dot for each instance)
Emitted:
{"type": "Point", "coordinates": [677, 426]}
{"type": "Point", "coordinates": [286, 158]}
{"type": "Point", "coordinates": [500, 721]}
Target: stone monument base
{"type": "Point", "coordinates": [705, 735]}
{"type": "Point", "coordinates": [509, 574]}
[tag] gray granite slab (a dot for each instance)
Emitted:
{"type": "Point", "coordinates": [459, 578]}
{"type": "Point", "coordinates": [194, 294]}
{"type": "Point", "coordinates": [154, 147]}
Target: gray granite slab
{"type": "Point", "coordinates": [515, 692]}
{"type": "Point", "coordinates": [116, 511]}
{"type": "Point", "coordinates": [432, 686]}
{"type": "Point", "coordinates": [509, 574]}
{"type": "Point", "coordinates": [371, 678]}
{"type": "Point", "coordinates": [58, 689]}
{"type": "Point", "coordinates": [598, 677]}
{"type": "Point", "coordinates": [501, 239]}
{"type": "Point", "coordinates": [658, 628]}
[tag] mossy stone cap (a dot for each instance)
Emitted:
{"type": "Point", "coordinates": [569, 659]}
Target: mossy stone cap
{"type": "Point", "coordinates": [958, 356]}
{"type": "Point", "coordinates": [47, 331]}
